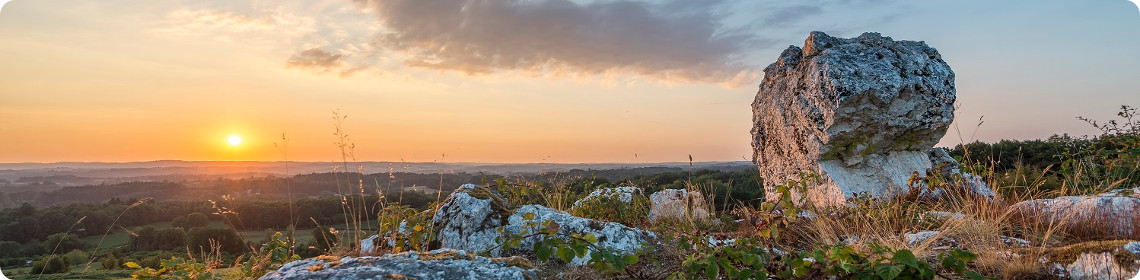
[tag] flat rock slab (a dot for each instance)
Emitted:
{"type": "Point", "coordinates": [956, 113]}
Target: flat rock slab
{"type": "Point", "coordinates": [438, 264]}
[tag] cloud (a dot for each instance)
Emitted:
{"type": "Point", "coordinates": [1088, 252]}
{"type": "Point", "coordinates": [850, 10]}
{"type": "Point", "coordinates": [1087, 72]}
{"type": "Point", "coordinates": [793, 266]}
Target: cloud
{"type": "Point", "coordinates": [316, 59]}
{"type": "Point", "coordinates": [675, 41]}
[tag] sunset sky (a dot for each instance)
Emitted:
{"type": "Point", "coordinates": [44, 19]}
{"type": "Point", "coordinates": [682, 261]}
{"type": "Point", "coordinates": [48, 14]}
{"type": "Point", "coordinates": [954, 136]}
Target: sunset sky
{"type": "Point", "coordinates": [507, 80]}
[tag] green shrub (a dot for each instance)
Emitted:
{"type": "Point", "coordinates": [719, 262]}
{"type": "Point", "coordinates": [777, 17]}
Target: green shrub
{"type": "Point", "coordinates": [610, 207]}
{"type": "Point", "coordinates": [52, 264]}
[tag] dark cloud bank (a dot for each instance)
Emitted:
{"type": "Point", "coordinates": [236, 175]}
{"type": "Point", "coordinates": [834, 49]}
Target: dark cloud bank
{"type": "Point", "coordinates": [681, 40]}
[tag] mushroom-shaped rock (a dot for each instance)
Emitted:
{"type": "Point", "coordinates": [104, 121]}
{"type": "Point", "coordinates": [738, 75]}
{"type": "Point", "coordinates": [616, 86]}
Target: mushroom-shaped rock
{"type": "Point", "coordinates": [438, 264]}
{"type": "Point", "coordinates": [862, 112]}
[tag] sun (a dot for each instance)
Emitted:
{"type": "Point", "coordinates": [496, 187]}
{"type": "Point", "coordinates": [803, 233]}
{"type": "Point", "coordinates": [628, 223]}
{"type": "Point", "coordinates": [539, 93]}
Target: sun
{"type": "Point", "coordinates": [234, 140]}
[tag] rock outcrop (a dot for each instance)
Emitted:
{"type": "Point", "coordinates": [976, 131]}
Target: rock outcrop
{"type": "Point", "coordinates": [1093, 260]}
{"type": "Point", "coordinates": [437, 264]}
{"type": "Point", "coordinates": [468, 219]}
{"type": "Point", "coordinates": [473, 217]}
{"type": "Point", "coordinates": [862, 112]}
{"type": "Point", "coordinates": [677, 204]}
{"type": "Point", "coordinates": [623, 194]}
{"type": "Point", "coordinates": [1111, 214]}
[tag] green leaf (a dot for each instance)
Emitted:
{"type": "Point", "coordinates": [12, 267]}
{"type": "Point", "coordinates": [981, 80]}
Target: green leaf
{"type": "Point", "coordinates": [591, 238]}
{"type": "Point", "coordinates": [566, 254]}
{"type": "Point", "coordinates": [629, 259]}
{"type": "Point", "coordinates": [889, 272]}
{"type": "Point", "coordinates": [712, 271]}
{"type": "Point", "coordinates": [528, 216]}
{"type": "Point", "coordinates": [905, 257]}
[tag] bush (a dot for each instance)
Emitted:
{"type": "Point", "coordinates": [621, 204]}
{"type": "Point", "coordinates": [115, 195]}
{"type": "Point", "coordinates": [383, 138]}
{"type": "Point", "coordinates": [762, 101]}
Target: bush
{"type": "Point", "coordinates": [63, 242]}
{"type": "Point", "coordinates": [50, 265]}
{"type": "Point", "coordinates": [76, 256]}
{"type": "Point", "coordinates": [111, 262]}
{"type": "Point", "coordinates": [610, 207]}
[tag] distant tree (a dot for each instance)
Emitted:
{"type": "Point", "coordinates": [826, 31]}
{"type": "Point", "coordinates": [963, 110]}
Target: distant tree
{"type": "Point", "coordinates": [63, 242]}
{"type": "Point", "coordinates": [228, 238]}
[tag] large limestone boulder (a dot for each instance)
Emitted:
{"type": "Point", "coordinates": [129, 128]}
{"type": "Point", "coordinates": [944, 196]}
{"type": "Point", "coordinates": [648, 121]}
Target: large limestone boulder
{"type": "Point", "coordinates": [437, 264]}
{"type": "Point", "coordinates": [862, 112]}
{"type": "Point", "coordinates": [1111, 214]}
{"type": "Point", "coordinates": [473, 217]}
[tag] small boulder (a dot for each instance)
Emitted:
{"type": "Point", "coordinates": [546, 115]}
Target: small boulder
{"type": "Point", "coordinates": [1093, 260]}
{"type": "Point", "coordinates": [437, 264]}
{"type": "Point", "coordinates": [623, 194]}
{"type": "Point", "coordinates": [678, 204]}
{"type": "Point", "coordinates": [611, 236]}
{"type": "Point", "coordinates": [1110, 214]}
{"type": "Point", "coordinates": [468, 219]}
{"type": "Point", "coordinates": [473, 217]}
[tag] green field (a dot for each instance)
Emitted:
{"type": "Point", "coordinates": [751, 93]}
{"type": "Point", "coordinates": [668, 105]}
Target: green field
{"type": "Point", "coordinates": [120, 237]}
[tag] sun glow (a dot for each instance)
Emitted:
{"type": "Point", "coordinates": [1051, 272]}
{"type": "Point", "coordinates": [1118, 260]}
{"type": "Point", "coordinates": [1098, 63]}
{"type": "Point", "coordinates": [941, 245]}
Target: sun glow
{"type": "Point", "coordinates": [234, 140]}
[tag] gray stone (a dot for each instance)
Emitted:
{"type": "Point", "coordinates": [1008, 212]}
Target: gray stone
{"type": "Point", "coordinates": [369, 244]}
{"type": "Point", "coordinates": [678, 204]}
{"type": "Point", "coordinates": [1133, 247]}
{"type": "Point", "coordinates": [437, 264]}
{"type": "Point", "coordinates": [1112, 213]}
{"type": "Point", "coordinates": [472, 218]}
{"type": "Point", "coordinates": [611, 236]}
{"type": "Point", "coordinates": [1099, 266]}
{"type": "Point", "coordinates": [623, 194]}
{"type": "Point", "coordinates": [468, 219]}
{"type": "Point", "coordinates": [862, 112]}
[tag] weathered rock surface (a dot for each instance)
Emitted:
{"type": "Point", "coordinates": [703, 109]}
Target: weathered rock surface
{"type": "Point", "coordinates": [862, 112]}
{"type": "Point", "coordinates": [468, 218]}
{"type": "Point", "coordinates": [1115, 213]}
{"type": "Point", "coordinates": [623, 194]}
{"type": "Point", "coordinates": [677, 204]}
{"type": "Point", "coordinates": [472, 217]}
{"type": "Point", "coordinates": [611, 236]}
{"type": "Point", "coordinates": [438, 264]}
{"type": "Point", "coordinates": [1093, 260]}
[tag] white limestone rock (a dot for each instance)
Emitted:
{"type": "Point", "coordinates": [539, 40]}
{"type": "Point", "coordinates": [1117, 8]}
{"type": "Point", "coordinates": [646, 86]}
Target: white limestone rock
{"type": "Point", "coordinates": [468, 219]}
{"type": "Point", "coordinates": [862, 112]}
{"type": "Point", "coordinates": [612, 236]}
{"type": "Point", "coordinates": [437, 264]}
{"type": "Point", "coordinates": [1099, 266]}
{"type": "Point", "coordinates": [677, 204]}
{"type": "Point", "coordinates": [368, 245]}
{"type": "Point", "coordinates": [1113, 213]}
{"type": "Point", "coordinates": [472, 218]}
{"type": "Point", "coordinates": [623, 194]}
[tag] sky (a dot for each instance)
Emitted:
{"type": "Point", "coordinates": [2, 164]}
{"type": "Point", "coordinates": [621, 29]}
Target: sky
{"type": "Point", "coordinates": [508, 80]}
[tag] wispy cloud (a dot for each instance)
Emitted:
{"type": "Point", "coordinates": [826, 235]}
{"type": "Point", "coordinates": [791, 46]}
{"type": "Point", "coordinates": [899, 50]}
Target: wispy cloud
{"type": "Point", "coordinates": [675, 41]}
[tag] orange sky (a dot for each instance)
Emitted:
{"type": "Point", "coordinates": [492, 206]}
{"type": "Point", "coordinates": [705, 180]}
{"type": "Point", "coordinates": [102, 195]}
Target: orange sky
{"type": "Point", "coordinates": [134, 80]}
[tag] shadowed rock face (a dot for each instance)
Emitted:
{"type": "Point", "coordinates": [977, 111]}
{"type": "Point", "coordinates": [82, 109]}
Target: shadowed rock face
{"type": "Point", "coordinates": [862, 112]}
{"type": "Point", "coordinates": [438, 264]}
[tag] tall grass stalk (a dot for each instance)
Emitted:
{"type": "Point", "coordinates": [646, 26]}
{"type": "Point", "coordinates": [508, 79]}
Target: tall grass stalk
{"type": "Point", "coordinates": [112, 226]}
{"type": "Point", "coordinates": [64, 237]}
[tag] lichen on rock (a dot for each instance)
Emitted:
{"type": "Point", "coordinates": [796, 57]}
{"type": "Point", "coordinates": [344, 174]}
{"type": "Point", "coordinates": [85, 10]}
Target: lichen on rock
{"type": "Point", "coordinates": [437, 264]}
{"type": "Point", "coordinates": [863, 112]}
